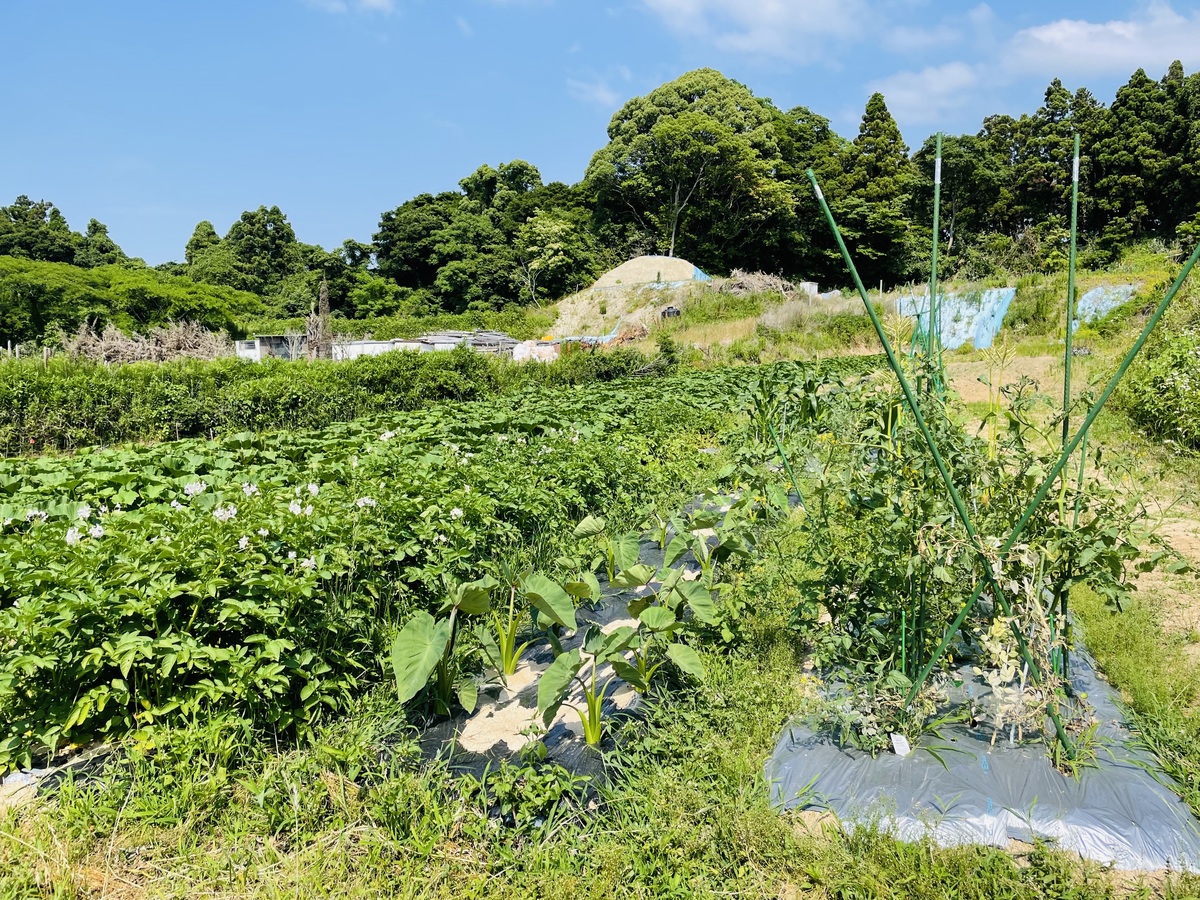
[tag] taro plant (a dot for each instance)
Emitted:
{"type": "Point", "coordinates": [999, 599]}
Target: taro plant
{"type": "Point", "coordinates": [660, 613]}
{"type": "Point", "coordinates": [657, 626]}
{"type": "Point", "coordinates": [710, 541]}
{"type": "Point", "coordinates": [550, 600]}
{"type": "Point", "coordinates": [554, 687]}
{"type": "Point", "coordinates": [616, 552]}
{"type": "Point", "coordinates": [425, 647]}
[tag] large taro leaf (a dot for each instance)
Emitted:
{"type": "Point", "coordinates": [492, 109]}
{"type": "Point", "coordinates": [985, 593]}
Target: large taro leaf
{"type": "Point", "coordinates": [625, 550]}
{"type": "Point", "coordinates": [678, 548]}
{"type": "Point", "coordinates": [474, 597]}
{"type": "Point", "coordinates": [586, 588]}
{"type": "Point", "coordinates": [589, 527]}
{"type": "Point", "coordinates": [635, 576]}
{"type": "Point", "coordinates": [699, 598]}
{"type": "Point", "coordinates": [657, 618]}
{"type": "Point", "coordinates": [606, 646]}
{"type": "Point", "coordinates": [416, 651]}
{"type": "Point", "coordinates": [551, 600]}
{"type": "Point", "coordinates": [555, 684]}
{"type": "Point", "coordinates": [687, 659]}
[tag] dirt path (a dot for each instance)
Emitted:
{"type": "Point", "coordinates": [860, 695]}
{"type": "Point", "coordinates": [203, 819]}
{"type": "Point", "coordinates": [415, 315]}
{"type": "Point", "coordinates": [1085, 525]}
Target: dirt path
{"type": "Point", "coordinates": [964, 375]}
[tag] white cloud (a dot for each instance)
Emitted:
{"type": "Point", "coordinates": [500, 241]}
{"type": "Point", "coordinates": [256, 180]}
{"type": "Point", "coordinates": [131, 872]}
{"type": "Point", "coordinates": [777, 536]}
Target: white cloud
{"type": "Point", "coordinates": [596, 91]}
{"type": "Point", "coordinates": [464, 26]}
{"type": "Point", "coordinates": [786, 29]}
{"type": "Point", "coordinates": [926, 96]}
{"type": "Point", "coordinates": [1154, 36]}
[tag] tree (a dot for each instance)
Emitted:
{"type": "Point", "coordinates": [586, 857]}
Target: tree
{"type": "Point", "coordinates": [474, 263]}
{"type": "Point", "coordinates": [690, 165]}
{"type": "Point", "coordinates": [36, 231]}
{"type": "Point", "coordinates": [1131, 164]}
{"type": "Point", "coordinates": [217, 265]}
{"type": "Point", "coordinates": [265, 247]}
{"type": "Point", "coordinates": [795, 240]}
{"type": "Point", "coordinates": [98, 249]}
{"type": "Point", "coordinates": [203, 237]}
{"type": "Point", "coordinates": [553, 255]}
{"type": "Point", "coordinates": [404, 244]}
{"type": "Point", "coordinates": [873, 197]}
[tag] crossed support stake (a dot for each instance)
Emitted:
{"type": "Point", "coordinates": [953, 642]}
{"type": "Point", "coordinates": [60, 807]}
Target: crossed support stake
{"type": "Point", "coordinates": [989, 577]}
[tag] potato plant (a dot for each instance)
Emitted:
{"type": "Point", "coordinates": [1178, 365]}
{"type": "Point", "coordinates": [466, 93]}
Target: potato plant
{"type": "Point", "coordinates": [266, 575]}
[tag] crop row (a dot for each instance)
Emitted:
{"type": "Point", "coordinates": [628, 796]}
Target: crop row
{"type": "Point", "coordinates": [70, 405]}
{"type": "Point", "coordinates": [265, 574]}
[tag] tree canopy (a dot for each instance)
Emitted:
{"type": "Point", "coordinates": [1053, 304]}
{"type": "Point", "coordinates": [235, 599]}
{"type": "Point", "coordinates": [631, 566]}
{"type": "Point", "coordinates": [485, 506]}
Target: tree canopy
{"type": "Point", "coordinates": [699, 167]}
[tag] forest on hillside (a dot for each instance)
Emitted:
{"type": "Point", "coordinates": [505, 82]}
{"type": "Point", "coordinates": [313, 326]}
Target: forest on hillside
{"type": "Point", "coordinates": [700, 168]}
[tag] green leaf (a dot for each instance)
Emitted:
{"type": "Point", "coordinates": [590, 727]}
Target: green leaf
{"type": "Point", "coordinates": [898, 680]}
{"type": "Point", "coordinates": [487, 641]}
{"type": "Point", "coordinates": [635, 576]}
{"type": "Point", "coordinates": [468, 694]}
{"type": "Point", "coordinates": [550, 599]}
{"type": "Point", "coordinates": [677, 549]}
{"type": "Point", "coordinates": [606, 647]}
{"type": "Point", "coordinates": [555, 683]}
{"type": "Point", "coordinates": [474, 597]}
{"type": "Point", "coordinates": [626, 550]}
{"type": "Point", "coordinates": [589, 527]}
{"type": "Point", "coordinates": [416, 651]}
{"type": "Point", "coordinates": [657, 618]}
{"type": "Point", "coordinates": [586, 588]}
{"type": "Point", "coordinates": [629, 673]}
{"type": "Point", "coordinates": [687, 659]}
{"type": "Point", "coordinates": [699, 598]}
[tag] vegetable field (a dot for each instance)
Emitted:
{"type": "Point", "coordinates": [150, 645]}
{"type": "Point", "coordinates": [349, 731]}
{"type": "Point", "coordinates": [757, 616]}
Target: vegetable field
{"type": "Point", "coordinates": [264, 574]}
{"type": "Point", "coordinates": [330, 593]}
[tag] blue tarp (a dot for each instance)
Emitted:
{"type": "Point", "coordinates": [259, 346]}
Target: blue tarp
{"type": "Point", "coordinates": [973, 316]}
{"type": "Point", "coordinates": [1100, 301]}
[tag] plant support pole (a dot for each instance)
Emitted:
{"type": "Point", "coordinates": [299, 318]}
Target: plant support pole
{"type": "Point", "coordinates": [933, 336]}
{"type": "Point", "coordinates": [1068, 354]}
{"type": "Point", "coordinates": [959, 506]}
{"type": "Point", "coordinates": [1068, 360]}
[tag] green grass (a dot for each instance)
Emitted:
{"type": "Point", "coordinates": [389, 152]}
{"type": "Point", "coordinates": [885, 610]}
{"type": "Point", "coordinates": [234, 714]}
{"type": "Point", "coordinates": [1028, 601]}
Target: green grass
{"type": "Point", "coordinates": [1157, 681]}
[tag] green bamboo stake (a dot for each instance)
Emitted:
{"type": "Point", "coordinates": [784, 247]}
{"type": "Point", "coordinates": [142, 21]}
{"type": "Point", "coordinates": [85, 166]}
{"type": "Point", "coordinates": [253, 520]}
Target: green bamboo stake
{"type": "Point", "coordinates": [959, 506]}
{"type": "Point", "coordinates": [1067, 356]}
{"type": "Point", "coordinates": [1068, 361]}
{"type": "Point", "coordinates": [787, 465]}
{"type": "Point", "coordinates": [1058, 467]}
{"type": "Point", "coordinates": [933, 338]}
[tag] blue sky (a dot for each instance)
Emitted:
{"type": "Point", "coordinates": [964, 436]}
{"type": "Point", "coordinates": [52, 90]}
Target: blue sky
{"type": "Point", "coordinates": [151, 115]}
